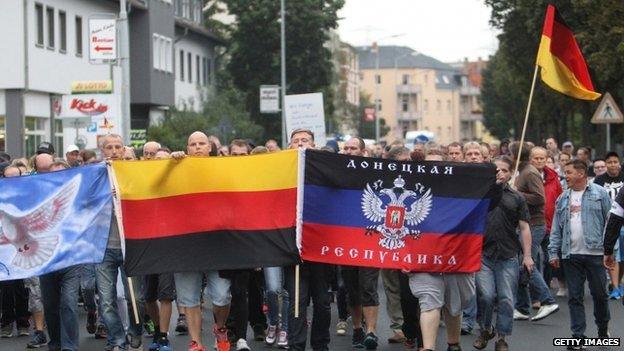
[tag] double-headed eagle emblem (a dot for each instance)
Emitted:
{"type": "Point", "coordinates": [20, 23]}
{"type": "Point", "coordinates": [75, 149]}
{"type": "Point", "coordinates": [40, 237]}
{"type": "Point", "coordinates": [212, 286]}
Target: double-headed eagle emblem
{"type": "Point", "coordinates": [388, 206]}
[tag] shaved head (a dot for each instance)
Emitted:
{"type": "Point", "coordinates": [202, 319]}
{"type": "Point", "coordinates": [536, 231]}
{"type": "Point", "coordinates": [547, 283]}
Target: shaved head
{"type": "Point", "coordinates": [198, 144]}
{"type": "Point", "coordinates": [149, 150]}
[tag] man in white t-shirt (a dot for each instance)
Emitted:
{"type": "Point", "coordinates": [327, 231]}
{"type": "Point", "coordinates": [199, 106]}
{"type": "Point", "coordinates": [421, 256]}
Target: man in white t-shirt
{"type": "Point", "coordinates": [577, 232]}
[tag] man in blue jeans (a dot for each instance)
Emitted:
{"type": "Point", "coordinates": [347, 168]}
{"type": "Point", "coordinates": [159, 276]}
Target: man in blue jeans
{"type": "Point", "coordinates": [106, 276]}
{"type": "Point", "coordinates": [529, 183]}
{"type": "Point", "coordinates": [577, 232]}
{"type": "Point", "coordinates": [498, 278]}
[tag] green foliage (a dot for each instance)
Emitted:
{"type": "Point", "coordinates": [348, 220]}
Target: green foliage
{"type": "Point", "coordinates": [506, 82]}
{"type": "Point", "coordinates": [223, 115]}
{"type": "Point", "coordinates": [254, 51]}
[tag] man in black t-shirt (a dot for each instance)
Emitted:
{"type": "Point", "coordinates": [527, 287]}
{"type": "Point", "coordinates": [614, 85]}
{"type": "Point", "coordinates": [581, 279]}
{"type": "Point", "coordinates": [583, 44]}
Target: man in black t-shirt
{"type": "Point", "coordinates": [498, 278]}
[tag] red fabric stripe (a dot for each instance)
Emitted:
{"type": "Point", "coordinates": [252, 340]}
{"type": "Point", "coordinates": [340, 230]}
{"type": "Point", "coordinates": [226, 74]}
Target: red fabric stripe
{"type": "Point", "coordinates": [205, 212]}
{"type": "Point", "coordinates": [347, 245]}
{"type": "Point", "coordinates": [548, 21]}
{"type": "Point", "coordinates": [563, 45]}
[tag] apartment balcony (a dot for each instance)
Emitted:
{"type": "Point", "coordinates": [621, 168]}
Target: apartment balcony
{"type": "Point", "coordinates": [408, 116]}
{"type": "Point", "coordinates": [470, 116]}
{"type": "Point", "coordinates": [408, 89]}
{"type": "Point", "coordinates": [469, 91]}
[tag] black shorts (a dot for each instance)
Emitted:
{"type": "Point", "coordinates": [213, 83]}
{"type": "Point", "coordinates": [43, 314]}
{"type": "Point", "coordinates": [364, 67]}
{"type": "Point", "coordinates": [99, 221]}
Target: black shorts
{"type": "Point", "coordinates": [361, 284]}
{"type": "Point", "coordinates": [159, 287]}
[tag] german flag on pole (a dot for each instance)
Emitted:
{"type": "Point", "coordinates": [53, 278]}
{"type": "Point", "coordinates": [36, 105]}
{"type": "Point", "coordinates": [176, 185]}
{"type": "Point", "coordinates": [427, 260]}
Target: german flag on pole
{"type": "Point", "coordinates": [563, 66]}
{"type": "Point", "coordinates": [209, 213]}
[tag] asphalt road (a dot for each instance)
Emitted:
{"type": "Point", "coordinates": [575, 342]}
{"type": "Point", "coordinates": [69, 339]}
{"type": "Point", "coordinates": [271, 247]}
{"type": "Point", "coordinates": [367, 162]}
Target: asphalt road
{"type": "Point", "coordinates": [533, 336]}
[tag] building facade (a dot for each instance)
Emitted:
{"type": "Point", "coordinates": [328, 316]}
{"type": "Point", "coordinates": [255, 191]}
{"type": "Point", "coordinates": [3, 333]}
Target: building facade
{"type": "Point", "coordinates": [346, 83]}
{"type": "Point", "coordinates": [470, 110]}
{"type": "Point", "coordinates": [415, 91]}
{"type": "Point", "coordinates": [172, 60]}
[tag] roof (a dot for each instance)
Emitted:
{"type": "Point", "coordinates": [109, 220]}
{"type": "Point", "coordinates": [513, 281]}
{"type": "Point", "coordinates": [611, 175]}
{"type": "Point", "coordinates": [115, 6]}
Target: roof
{"type": "Point", "coordinates": [401, 56]}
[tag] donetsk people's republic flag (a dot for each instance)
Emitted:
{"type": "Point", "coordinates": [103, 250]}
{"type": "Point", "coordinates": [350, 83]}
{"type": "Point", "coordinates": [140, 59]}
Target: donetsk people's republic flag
{"type": "Point", "coordinates": [424, 216]}
{"type": "Point", "coordinates": [207, 213]}
{"type": "Point", "coordinates": [562, 63]}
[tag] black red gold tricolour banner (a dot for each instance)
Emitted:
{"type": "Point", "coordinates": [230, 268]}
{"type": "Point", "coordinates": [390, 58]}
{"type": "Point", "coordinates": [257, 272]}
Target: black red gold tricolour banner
{"type": "Point", "coordinates": [562, 63]}
{"type": "Point", "coordinates": [207, 213]}
{"type": "Point", "coordinates": [419, 216]}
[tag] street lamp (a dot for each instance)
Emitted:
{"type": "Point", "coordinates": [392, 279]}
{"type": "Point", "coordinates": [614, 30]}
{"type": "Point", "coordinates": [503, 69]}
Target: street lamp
{"type": "Point", "coordinates": [377, 124]}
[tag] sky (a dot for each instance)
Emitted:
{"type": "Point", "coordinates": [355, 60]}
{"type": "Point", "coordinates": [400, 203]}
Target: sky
{"type": "Point", "coordinates": [447, 30]}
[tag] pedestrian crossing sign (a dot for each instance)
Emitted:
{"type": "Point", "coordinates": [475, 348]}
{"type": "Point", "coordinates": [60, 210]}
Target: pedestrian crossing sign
{"type": "Point", "coordinates": [607, 112]}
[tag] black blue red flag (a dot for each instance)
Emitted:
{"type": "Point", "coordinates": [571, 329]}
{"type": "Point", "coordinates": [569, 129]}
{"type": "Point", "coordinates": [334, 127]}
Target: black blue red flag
{"type": "Point", "coordinates": [418, 216]}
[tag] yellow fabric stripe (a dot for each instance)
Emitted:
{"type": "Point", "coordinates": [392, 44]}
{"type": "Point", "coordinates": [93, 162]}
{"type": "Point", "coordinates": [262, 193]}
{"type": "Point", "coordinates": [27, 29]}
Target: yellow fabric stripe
{"type": "Point", "coordinates": [140, 180]}
{"type": "Point", "coordinates": [558, 76]}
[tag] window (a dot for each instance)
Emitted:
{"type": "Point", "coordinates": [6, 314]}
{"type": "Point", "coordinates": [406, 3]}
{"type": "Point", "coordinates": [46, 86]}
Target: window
{"type": "Point", "coordinates": [405, 103]}
{"type": "Point", "coordinates": [39, 23]}
{"type": "Point", "coordinates": [405, 79]}
{"type": "Point", "coordinates": [63, 32]}
{"type": "Point", "coordinates": [78, 23]}
{"type": "Point", "coordinates": [190, 67]}
{"type": "Point", "coordinates": [438, 105]}
{"type": "Point", "coordinates": [182, 65]}
{"type": "Point", "coordinates": [197, 69]}
{"type": "Point", "coordinates": [426, 105]}
{"type": "Point", "coordinates": [58, 136]}
{"type": "Point", "coordinates": [445, 79]}
{"type": "Point", "coordinates": [378, 104]}
{"type": "Point", "coordinates": [161, 53]}
{"type": "Point", "coordinates": [50, 19]}
{"type": "Point", "coordinates": [377, 79]}
{"type": "Point", "coordinates": [448, 105]}
{"type": "Point", "coordinates": [209, 70]}
{"type": "Point", "coordinates": [35, 133]}
{"type": "Point", "coordinates": [2, 134]}
{"type": "Point", "coordinates": [205, 75]}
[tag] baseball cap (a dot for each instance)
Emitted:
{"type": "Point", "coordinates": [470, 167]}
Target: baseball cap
{"type": "Point", "coordinates": [567, 143]}
{"type": "Point", "coordinates": [45, 148]}
{"type": "Point", "coordinates": [72, 148]}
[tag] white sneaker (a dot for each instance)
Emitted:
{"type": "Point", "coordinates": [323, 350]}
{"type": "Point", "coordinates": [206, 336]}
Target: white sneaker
{"type": "Point", "coordinates": [562, 292]}
{"type": "Point", "coordinates": [241, 344]}
{"type": "Point", "coordinates": [282, 339]}
{"type": "Point", "coordinates": [271, 335]}
{"type": "Point", "coordinates": [545, 311]}
{"type": "Point", "coordinates": [518, 316]}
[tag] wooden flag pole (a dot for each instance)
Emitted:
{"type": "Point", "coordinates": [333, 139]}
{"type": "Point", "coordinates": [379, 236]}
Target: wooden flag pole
{"type": "Point", "coordinates": [297, 291]}
{"type": "Point", "coordinates": [117, 210]}
{"type": "Point", "coordinates": [526, 121]}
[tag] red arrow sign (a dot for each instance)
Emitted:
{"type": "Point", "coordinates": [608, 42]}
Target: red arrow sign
{"type": "Point", "coordinates": [103, 48]}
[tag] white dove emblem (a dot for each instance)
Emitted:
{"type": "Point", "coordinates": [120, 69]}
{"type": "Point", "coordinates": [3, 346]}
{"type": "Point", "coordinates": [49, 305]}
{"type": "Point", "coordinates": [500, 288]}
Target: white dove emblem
{"type": "Point", "coordinates": [393, 215]}
{"type": "Point", "coordinates": [30, 232]}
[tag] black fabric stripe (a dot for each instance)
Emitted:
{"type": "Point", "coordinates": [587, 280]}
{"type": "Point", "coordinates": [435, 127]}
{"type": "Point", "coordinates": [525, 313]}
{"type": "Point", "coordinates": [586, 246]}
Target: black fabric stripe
{"type": "Point", "coordinates": [217, 250]}
{"type": "Point", "coordinates": [468, 180]}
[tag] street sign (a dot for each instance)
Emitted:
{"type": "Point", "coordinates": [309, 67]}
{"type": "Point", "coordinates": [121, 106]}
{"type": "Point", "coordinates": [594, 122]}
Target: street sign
{"type": "Point", "coordinates": [607, 112]}
{"type": "Point", "coordinates": [306, 111]}
{"type": "Point", "coordinates": [102, 39]}
{"type": "Point", "coordinates": [269, 99]}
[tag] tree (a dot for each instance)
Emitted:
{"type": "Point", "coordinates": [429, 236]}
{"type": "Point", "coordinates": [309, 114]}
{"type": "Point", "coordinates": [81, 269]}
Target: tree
{"type": "Point", "coordinates": [506, 82]}
{"type": "Point", "coordinates": [254, 51]}
{"type": "Point", "coordinates": [223, 115]}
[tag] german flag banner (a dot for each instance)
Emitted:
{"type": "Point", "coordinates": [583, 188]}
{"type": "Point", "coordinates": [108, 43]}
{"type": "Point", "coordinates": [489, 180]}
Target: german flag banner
{"type": "Point", "coordinates": [208, 213]}
{"type": "Point", "coordinates": [419, 216]}
{"type": "Point", "coordinates": [563, 66]}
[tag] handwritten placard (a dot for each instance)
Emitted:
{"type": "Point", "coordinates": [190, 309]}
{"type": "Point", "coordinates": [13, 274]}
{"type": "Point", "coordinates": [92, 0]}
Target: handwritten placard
{"type": "Point", "coordinates": [306, 111]}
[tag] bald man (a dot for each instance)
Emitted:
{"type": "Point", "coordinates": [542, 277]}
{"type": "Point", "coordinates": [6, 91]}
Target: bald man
{"type": "Point", "coordinates": [150, 149]}
{"type": "Point", "coordinates": [43, 163]}
{"type": "Point", "coordinates": [189, 284]}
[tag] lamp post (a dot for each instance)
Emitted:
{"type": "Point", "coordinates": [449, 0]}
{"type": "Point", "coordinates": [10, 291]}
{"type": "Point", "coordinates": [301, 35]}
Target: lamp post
{"type": "Point", "coordinates": [377, 124]}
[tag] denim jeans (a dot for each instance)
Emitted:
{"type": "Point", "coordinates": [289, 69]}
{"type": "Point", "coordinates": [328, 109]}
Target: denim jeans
{"type": "Point", "coordinates": [274, 281]}
{"type": "Point", "coordinates": [60, 306]}
{"type": "Point", "coordinates": [189, 288]}
{"type": "Point", "coordinates": [536, 282]}
{"type": "Point", "coordinates": [106, 278]}
{"type": "Point", "coordinates": [581, 268]}
{"type": "Point", "coordinates": [496, 282]}
{"type": "Point", "coordinates": [87, 285]}
{"type": "Point", "coordinates": [469, 314]}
